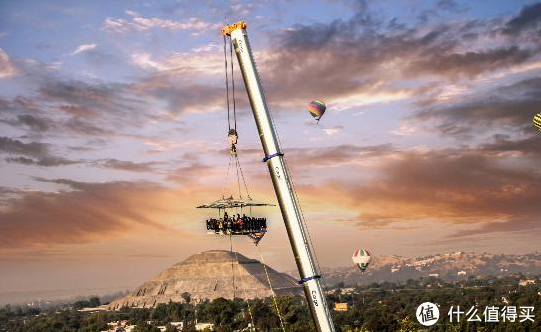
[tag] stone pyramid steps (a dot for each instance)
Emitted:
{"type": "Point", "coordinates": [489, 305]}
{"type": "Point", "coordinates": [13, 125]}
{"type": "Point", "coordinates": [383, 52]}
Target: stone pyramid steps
{"type": "Point", "coordinates": [209, 275]}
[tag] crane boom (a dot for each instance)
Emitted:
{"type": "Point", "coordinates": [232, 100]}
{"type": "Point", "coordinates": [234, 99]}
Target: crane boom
{"type": "Point", "coordinates": [281, 180]}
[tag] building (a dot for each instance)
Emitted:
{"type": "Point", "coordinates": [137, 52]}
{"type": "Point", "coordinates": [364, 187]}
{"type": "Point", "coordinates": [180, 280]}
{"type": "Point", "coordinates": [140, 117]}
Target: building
{"type": "Point", "coordinates": [525, 282]}
{"type": "Point", "coordinates": [340, 307]}
{"type": "Point", "coordinates": [202, 326]}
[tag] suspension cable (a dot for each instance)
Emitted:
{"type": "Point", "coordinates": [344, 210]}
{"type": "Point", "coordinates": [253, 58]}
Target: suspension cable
{"type": "Point", "coordinates": [238, 177]}
{"type": "Point", "coordinates": [226, 82]}
{"type": "Point", "coordinates": [233, 81]}
{"type": "Point", "coordinates": [245, 294]}
{"type": "Point", "coordinates": [272, 290]}
{"type": "Point", "coordinates": [227, 176]}
{"type": "Point", "coordinates": [243, 180]}
{"type": "Point", "coordinates": [232, 265]}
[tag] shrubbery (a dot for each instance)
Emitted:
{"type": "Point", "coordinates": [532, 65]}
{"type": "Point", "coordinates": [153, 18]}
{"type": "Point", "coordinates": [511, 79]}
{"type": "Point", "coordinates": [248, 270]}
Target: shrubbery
{"type": "Point", "coordinates": [377, 307]}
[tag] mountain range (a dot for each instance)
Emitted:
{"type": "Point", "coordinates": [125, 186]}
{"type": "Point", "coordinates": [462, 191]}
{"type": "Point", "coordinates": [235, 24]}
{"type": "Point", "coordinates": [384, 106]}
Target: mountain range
{"type": "Point", "coordinates": [450, 267]}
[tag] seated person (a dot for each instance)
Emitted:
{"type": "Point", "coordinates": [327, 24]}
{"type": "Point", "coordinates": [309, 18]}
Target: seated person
{"type": "Point", "coordinates": [256, 224]}
{"type": "Point", "coordinates": [240, 224]}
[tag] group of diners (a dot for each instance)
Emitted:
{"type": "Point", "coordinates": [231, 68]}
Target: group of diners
{"type": "Point", "coordinates": [236, 224]}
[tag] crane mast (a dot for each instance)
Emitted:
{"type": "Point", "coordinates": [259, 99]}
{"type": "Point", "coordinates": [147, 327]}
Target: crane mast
{"type": "Point", "coordinates": [281, 180]}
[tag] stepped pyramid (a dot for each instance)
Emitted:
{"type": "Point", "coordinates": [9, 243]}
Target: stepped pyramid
{"type": "Point", "coordinates": [209, 275]}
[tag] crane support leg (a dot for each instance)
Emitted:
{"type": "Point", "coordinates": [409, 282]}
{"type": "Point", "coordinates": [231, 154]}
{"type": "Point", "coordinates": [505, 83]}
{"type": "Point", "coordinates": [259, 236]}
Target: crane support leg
{"type": "Point", "coordinates": [285, 194]}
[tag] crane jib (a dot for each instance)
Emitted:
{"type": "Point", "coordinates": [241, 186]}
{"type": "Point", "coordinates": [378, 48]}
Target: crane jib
{"type": "Point", "coordinates": [283, 186]}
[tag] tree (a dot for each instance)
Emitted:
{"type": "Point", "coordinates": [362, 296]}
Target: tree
{"type": "Point", "coordinates": [407, 325]}
{"type": "Point", "coordinates": [146, 328]}
{"type": "Point", "coordinates": [94, 302]}
{"type": "Point", "coordinates": [264, 316]}
{"type": "Point", "coordinates": [186, 297]}
{"type": "Point", "coordinates": [170, 328]}
{"type": "Point", "coordinates": [160, 313]}
{"type": "Point", "coordinates": [221, 312]}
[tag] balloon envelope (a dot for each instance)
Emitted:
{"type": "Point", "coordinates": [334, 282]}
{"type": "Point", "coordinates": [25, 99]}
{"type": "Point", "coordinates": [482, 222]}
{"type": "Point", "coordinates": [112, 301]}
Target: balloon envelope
{"type": "Point", "coordinates": [361, 258]}
{"type": "Point", "coordinates": [537, 121]}
{"type": "Point", "coordinates": [317, 109]}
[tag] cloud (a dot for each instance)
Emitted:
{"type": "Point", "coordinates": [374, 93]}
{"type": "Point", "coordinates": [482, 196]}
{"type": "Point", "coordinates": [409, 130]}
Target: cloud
{"type": "Point", "coordinates": [132, 13]}
{"type": "Point", "coordinates": [471, 63]}
{"type": "Point", "coordinates": [77, 126]}
{"type": "Point", "coordinates": [528, 19]}
{"type": "Point", "coordinates": [95, 108]}
{"type": "Point", "coordinates": [80, 112]}
{"type": "Point", "coordinates": [195, 173]}
{"type": "Point", "coordinates": [128, 165]}
{"type": "Point", "coordinates": [333, 130]}
{"type": "Point", "coordinates": [33, 123]}
{"type": "Point", "coordinates": [451, 6]}
{"type": "Point", "coordinates": [83, 48]}
{"type": "Point", "coordinates": [186, 81]}
{"type": "Point", "coordinates": [7, 70]}
{"type": "Point", "coordinates": [36, 124]}
{"type": "Point", "coordinates": [179, 93]}
{"type": "Point", "coordinates": [143, 60]}
{"type": "Point", "coordinates": [335, 156]}
{"type": "Point", "coordinates": [33, 153]}
{"type": "Point", "coordinates": [348, 63]}
{"type": "Point", "coordinates": [528, 225]}
{"type": "Point", "coordinates": [74, 107]}
{"type": "Point", "coordinates": [94, 96]}
{"type": "Point", "coordinates": [100, 58]}
{"type": "Point", "coordinates": [30, 149]}
{"type": "Point", "coordinates": [24, 112]}
{"type": "Point", "coordinates": [358, 58]}
{"type": "Point", "coordinates": [86, 212]}
{"type": "Point", "coordinates": [442, 186]}
{"type": "Point", "coordinates": [39, 154]}
{"type": "Point", "coordinates": [138, 23]}
{"type": "Point", "coordinates": [504, 144]}
{"type": "Point", "coordinates": [199, 63]}
{"type": "Point", "coordinates": [512, 106]}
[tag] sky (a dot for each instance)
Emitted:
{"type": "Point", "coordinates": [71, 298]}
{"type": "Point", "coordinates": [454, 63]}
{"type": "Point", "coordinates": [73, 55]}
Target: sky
{"type": "Point", "coordinates": [113, 128]}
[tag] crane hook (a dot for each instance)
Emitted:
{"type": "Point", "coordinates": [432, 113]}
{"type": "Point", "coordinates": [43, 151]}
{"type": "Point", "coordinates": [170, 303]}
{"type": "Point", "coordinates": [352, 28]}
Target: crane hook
{"type": "Point", "coordinates": [232, 136]}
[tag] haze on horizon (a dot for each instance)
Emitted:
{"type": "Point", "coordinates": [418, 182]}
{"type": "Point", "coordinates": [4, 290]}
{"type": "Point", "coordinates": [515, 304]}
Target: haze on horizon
{"type": "Point", "coordinates": [113, 128]}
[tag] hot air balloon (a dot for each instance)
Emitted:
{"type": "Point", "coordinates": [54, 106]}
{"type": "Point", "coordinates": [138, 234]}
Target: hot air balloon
{"type": "Point", "coordinates": [537, 121]}
{"type": "Point", "coordinates": [317, 109]}
{"type": "Point", "coordinates": [361, 258]}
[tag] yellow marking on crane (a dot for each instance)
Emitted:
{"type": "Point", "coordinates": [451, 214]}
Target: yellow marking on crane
{"type": "Point", "coordinates": [226, 31]}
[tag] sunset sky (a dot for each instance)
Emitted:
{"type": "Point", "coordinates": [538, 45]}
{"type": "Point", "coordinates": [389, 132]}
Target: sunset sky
{"type": "Point", "coordinates": [113, 127]}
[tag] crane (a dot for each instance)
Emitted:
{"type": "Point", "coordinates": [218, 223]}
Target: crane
{"type": "Point", "coordinates": [283, 186]}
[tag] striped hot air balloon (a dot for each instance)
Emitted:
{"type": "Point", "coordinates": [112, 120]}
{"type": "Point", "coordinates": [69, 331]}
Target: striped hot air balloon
{"type": "Point", "coordinates": [537, 121]}
{"type": "Point", "coordinates": [361, 258]}
{"type": "Point", "coordinates": [317, 109]}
